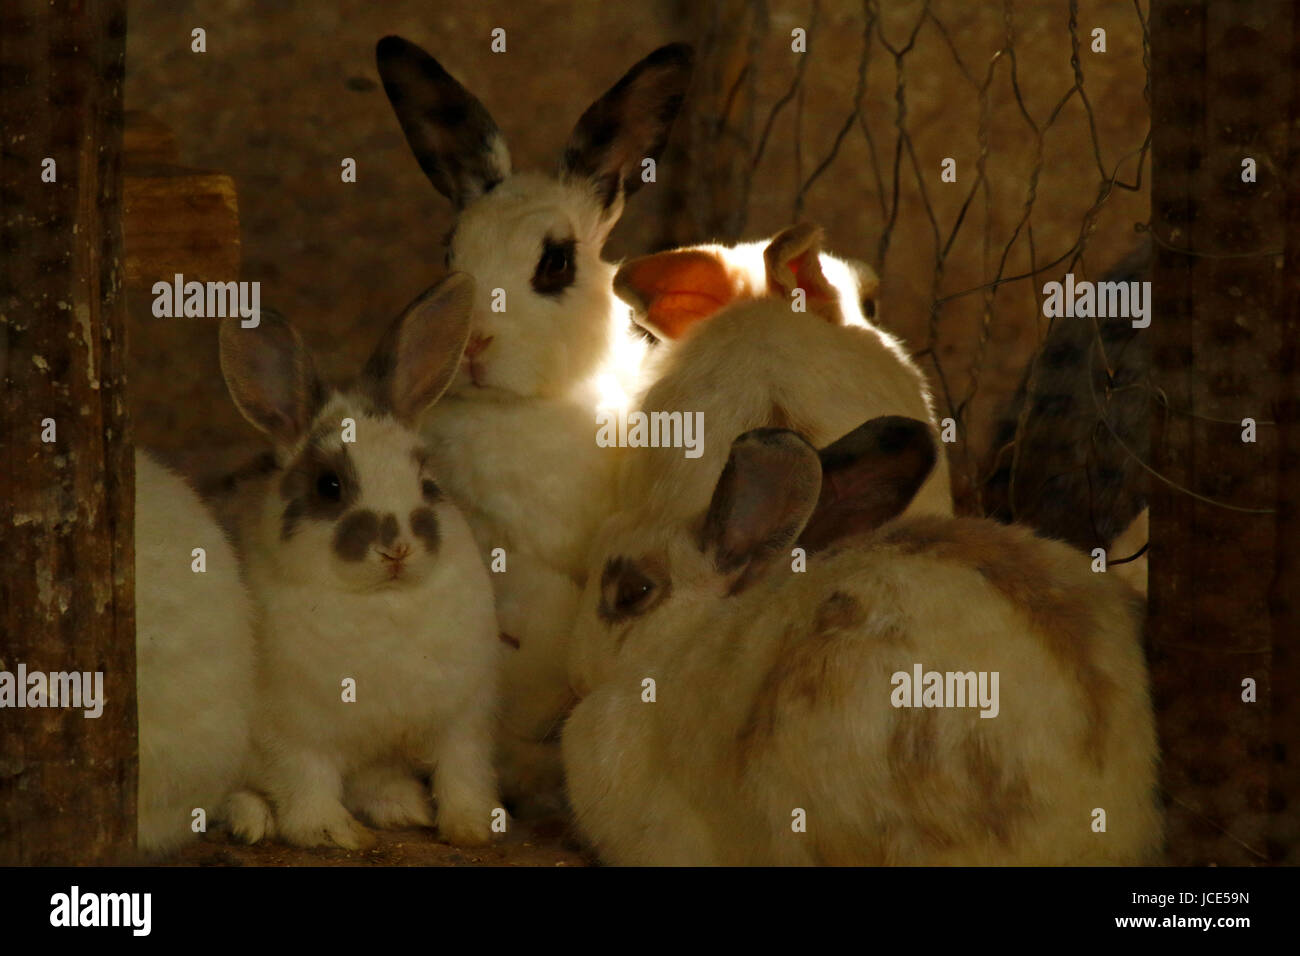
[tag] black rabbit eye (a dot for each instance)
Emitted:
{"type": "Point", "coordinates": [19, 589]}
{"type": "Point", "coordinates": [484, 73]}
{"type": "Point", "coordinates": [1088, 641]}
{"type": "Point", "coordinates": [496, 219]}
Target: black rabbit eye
{"type": "Point", "coordinates": [631, 592]}
{"type": "Point", "coordinates": [626, 590]}
{"type": "Point", "coordinates": [869, 308]}
{"type": "Point", "coordinates": [328, 486]}
{"type": "Point", "coordinates": [555, 269]}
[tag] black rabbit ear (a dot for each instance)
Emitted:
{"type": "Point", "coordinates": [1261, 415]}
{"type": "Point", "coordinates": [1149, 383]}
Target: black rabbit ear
{"type": "Point", "coordinates": [453, 137]}
{"type": "Point", "coordinates": [868, 477]}
{"type": "Point", "coordinates": [630, 123]}
{"type": "Point", "coordinates": [763, 498]}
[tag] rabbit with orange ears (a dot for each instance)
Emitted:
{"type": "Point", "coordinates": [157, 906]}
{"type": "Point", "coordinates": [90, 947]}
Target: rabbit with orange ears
{"type": "Point", "coordinates": [745, 347]}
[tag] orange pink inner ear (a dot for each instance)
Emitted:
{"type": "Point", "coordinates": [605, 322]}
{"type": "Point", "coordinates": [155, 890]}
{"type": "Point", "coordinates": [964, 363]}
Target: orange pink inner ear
{"type": "Point", "coordinates": [807, 272]}
{"type": "Point", "coordinates": [677, 289]}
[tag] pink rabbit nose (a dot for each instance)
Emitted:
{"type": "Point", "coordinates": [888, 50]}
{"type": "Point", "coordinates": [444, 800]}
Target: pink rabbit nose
{"type": "Point", "coordinates": [398, 552]}
{"type": "Point", "coordinates": [477, 343]}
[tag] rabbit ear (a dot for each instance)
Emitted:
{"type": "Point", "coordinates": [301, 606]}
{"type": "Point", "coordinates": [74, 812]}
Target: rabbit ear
{"type": "Point", "coordinates": [792, 259]}
{"type": "Point", "coordinates": [672, 291]}
{"type": "Point", "coordinates": [868, 477]}
{"type": "Point", "coordinates": [419, 354]}
{"type": "Point", "coordinates": [271, 376]}
{"type": "Point", "coordinates": [762, 500]}
{"type": "Point", "coordinates": [454, 138]}
{"type": "Point", "coordinates": [629, 124]}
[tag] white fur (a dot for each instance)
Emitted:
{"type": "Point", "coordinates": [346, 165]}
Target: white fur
{"type": "Point", "coordinates": [759, 712]}
{"type": "Point", "coordinates": [194, 660]}
{"type": "Point", "coordinates": [756, 354]}
{"type": "Point", "coordinates": [423, 653]}
{"type": "Point", "coordinates": [517, 450]}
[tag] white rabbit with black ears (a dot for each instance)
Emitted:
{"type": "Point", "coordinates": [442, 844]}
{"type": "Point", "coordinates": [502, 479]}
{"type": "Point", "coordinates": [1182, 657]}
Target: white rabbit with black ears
{"type": "Point", "coordinates": [377, 638]}
{"type": "Point", "coordinates": [516, 432]}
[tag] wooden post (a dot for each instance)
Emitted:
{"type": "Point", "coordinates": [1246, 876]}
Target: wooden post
{"type": "Point", "coordinates": [67, 781]}
{"type": "Point", "coordinates": [1224, 581]}
{"type": "Point", "coordinates": [713, 166]}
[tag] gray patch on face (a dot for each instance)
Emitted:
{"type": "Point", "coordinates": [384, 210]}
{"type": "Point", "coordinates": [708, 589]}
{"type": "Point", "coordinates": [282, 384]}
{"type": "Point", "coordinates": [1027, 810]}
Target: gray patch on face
{"type": "Point", "coordinates": [355, 534]}
{"type": "Point", "coordinates": [308, 489]}
{"type": "Point", "coordinates": [424, 525]}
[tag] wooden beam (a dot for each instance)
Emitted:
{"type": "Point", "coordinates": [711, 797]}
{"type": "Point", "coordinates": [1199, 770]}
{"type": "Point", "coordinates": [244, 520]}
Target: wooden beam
{"type": "Point", "coordinates": [67, 782]}
{"type": "Point", "coordinates": [1220, 92]}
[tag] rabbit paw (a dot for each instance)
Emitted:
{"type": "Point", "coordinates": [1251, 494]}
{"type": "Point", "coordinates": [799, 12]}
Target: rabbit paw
{"type": "Point", "coordinates": [249, 817]}
{"type": "Point", "coordinates": [396, 803]}
{"type": "Point", "coordinates": [334, 828]}
{"type": "Point", "coordinates": [465, 829]}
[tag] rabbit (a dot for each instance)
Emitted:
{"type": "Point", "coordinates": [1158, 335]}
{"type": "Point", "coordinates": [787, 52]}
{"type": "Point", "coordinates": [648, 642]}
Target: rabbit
{"type": "Point", "coordinates": [194, 660]}
{"type": "Point", "coordinates": [549, 345]}
{"type": "Point", "coordinates": [1073, 469]}
{"type": "Point", "coordinates": [378, 642]}
{"type": "Point", "coordinates": [740, 355]}
{"type": "Point", "coordinates": [735, 711]}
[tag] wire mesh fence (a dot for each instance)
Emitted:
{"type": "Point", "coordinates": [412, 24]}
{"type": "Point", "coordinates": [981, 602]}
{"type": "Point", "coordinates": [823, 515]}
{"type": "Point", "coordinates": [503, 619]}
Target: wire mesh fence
{"type": "Point", "coordinates": [870, 134]}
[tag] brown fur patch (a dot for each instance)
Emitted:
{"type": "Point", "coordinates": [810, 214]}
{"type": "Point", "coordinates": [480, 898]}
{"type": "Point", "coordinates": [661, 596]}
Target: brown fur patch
{"type": "Point", "coordinates": [1019, 567]}
{"type": "Point", "coordinates": [808, 671]}
{"type": "Point", "coordinates": [424, 525]}
{"type": "Point", "coordinates": [507, 639]}
{"type": "Point", "coordinates": [912, 755]}
{"type": "Point", "coordinates": [388, 530]}
{"type": "Point", "coordinates": [299, 487]}
{"type": "Point", "coordinates": [355, 534]}
{"type": "Point", "coordinates": [839, 612]}
{"type": "Point", "coordinates": [1002, 799]}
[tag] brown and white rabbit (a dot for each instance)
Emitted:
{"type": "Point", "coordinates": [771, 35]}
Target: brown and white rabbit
{"type": "Point", "coordinates": [378, 643]}
{"type": "Point", "coordinates": [737, 352]}
{"type": "Point", "coordinates": [741, 712]}
{"type": "Point", "coordinates": [194, 660]}
{"type": "Point", "coordinates": [549, 343]}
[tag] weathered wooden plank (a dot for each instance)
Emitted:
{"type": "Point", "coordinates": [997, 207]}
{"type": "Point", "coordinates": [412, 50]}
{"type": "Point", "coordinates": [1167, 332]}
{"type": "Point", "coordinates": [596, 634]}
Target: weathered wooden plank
{"type": "Point", "coordinates": [67, 782]}
{"type": "Point", "coordinates": [1220, 89]}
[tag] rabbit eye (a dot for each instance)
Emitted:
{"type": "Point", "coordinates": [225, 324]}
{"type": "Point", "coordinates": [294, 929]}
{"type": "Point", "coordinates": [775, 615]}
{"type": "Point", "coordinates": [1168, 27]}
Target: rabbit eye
{"type": "Point", "coordinates": [869, 308]}
{"type": "Point", "coordinates": [555, 269]}
{"type": "Point", "coordinates": [627, 590]}
{"type": "Point", "coordinates": [631, 592]}
{"type": "Point", "coordinates": [328, 486]}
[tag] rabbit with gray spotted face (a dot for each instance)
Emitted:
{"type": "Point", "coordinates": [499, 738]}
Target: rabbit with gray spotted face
{"type": "Point", "coordinates": [377, 638]}
{"type": "Point", "coordinates": [777, 732]}
{"type": "Point", "coordinates": [549, 344]}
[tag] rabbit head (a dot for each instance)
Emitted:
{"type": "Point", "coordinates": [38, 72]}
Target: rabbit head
{"type": "Point", "coordinates": [354, 501]}
{"type": "Point", "coordinates": [543, 314]}
{"type": "Point", "coordinates": [671, 292]}
{"type": "Point", "coordinates": [776, 492]}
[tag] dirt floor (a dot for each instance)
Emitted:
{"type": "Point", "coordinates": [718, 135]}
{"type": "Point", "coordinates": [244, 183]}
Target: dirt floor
{"type": "Point", "coordinates": [528, 843]}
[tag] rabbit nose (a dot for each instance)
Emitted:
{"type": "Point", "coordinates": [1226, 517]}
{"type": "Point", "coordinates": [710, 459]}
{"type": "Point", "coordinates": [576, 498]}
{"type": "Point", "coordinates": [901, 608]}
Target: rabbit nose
{"type": "Point", "coordinates": [398, 551]}
{"type": "Point", "coordinates": [477, 343]}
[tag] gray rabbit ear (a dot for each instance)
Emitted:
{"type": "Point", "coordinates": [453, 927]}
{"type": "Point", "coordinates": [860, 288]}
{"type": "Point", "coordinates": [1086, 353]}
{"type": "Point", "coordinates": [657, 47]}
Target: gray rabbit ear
{"type": "Point", "coordinates": [868, 477]}
{"type": "Point", "coordinates": [421, 351]}
{"type": "Point", "coordinates": [453, 137]}
{"type": "Point", "coordinates": [629, 124]}
{"type": "Point", "coordinates": [271, 376]}
{"type": "Point", "coordinates": [761, 502]}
